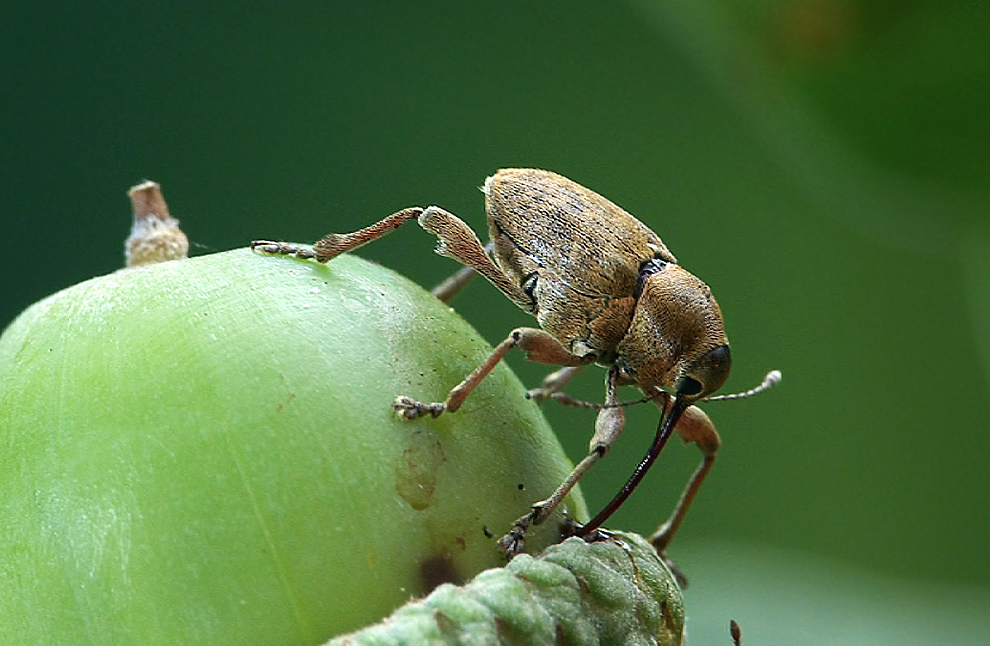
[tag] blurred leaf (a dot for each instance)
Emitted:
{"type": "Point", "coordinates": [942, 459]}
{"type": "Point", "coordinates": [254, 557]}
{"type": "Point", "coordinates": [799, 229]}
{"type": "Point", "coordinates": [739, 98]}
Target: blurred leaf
{"type": "Point", "coordinates": [976, 264]}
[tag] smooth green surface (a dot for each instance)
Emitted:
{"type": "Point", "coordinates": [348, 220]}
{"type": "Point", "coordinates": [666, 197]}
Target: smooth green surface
{"type": "Point", "coordinates": [203, 451]}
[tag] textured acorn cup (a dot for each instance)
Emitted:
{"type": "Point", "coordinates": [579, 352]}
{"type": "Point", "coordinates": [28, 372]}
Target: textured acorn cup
{"type": "Point", "coordinates": [204, 451]}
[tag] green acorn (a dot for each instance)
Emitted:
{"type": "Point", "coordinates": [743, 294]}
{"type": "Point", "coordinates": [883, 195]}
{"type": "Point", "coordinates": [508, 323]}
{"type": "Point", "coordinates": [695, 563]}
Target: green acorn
{"type": "Point", "coordinates": [204, 450]}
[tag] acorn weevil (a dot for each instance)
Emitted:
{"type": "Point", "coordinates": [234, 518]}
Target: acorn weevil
{"type": "Point", "coordinates": [604, 290]}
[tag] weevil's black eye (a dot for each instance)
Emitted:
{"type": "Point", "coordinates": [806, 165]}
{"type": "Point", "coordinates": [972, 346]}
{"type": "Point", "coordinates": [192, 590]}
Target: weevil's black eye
{"type": "Point", "coordinates": [646, 270]}
{"type": "Point", "coordinates": [720, 356]}
{"type": "Point", "coordinates": [711, 370]}
{"type": "Point", "coordinates": [688, 387]}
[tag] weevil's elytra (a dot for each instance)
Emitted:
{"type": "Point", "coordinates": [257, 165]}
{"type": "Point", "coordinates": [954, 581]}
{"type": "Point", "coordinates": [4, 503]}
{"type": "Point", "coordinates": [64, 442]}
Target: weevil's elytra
{"type": "Point", "coordinates": [604, 289]}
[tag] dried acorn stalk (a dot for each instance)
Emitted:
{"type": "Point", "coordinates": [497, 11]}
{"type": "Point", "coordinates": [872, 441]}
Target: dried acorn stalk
{"type": "Point", "coordinates": [204, 450]}
{"type": "Point", "coordinates": [612, 592]}
{"type": "Point", "coordinates": [155, 234]}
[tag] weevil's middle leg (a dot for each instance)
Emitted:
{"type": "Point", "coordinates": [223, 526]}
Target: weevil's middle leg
{"type": "Point", "coordinates": [608, 426]}
{"type": "Point", "coordinates": [539, 346]}
{"type": "Point", "coordinates": [553, 382]}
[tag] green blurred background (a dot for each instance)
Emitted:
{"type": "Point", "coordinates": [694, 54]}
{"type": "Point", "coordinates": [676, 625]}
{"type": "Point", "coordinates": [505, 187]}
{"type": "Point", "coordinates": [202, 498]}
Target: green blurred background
{"type": "Point", "coordinates": [822, 164]}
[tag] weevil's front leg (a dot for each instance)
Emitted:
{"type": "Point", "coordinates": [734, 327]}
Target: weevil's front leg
{"type": "Point", "coordinates": [334, 244]}
{"type": "Point", "coordinates": [608, 426]}
{"type": "Point", "coordinates": [539, 346]}
{"type": "Point", "coordinates": [693, 426]}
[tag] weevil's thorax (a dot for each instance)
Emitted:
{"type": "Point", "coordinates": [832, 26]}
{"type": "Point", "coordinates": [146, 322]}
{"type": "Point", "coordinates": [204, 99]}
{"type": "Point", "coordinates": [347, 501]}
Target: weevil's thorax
{"type": "Point", "coordinates": [676, 333]}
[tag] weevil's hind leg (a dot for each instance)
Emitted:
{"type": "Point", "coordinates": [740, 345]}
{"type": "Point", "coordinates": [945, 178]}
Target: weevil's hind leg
{"type": "Point", "coordinates": [283, 249]}
{"type": "Point", "coordinates": [539, 346]}
{"type": "Point", "coordinates": [332, 245]}
{"type": "Point", "coordinates": [458, 241]}
{"type": "Point", "coordinates": [453, 285]}
{"type": "Point", "coordinates": [608, 426]}
{"type": "Point", "coordinates": [694, 426]}
{"type": "Point", "coordinates": [553, 382]}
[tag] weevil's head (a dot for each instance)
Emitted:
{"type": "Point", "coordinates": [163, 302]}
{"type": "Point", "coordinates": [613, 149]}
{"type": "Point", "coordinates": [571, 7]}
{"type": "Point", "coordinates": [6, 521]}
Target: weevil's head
{"type": "Point", "coordinates": [676, 339]}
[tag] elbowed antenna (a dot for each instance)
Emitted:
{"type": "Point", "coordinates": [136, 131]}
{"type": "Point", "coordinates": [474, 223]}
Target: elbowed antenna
{"type": "Point", "coordinates": [773, 378]}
